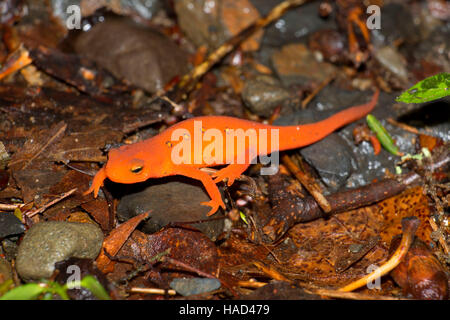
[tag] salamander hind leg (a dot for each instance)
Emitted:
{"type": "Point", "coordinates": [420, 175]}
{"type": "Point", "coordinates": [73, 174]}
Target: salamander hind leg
{"type": "Point", "coordinates": [208, 183]}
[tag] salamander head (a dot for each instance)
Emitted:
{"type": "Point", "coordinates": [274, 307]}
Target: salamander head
{"type": "Point", "coordinates": [127, 164]}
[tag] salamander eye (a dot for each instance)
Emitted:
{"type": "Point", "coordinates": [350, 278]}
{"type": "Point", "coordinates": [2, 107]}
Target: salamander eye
{"type": "Point", "coordinates": [136, 169]}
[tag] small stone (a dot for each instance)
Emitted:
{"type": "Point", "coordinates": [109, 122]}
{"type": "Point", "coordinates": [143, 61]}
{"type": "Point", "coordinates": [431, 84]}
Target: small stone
{"type": "Point", "coordinates": [262, 94]}
{"type": "Point", "coordinates": [295, 64]}
{"type": "Point", "coordinates": [46, 243]}
{"type": "Point", "coordinates": [189, 286]}
{"type": "Point", "coordinates": [333, 160]}
{"type": "Point", "coordinates": [10, 225]}
{"type": "Point", "coordinates": [390, 59]}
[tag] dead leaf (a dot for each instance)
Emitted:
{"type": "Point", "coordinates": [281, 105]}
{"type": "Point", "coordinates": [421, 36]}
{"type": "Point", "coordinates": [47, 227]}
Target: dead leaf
{"type": "Point", "coordinates": [115, 241]}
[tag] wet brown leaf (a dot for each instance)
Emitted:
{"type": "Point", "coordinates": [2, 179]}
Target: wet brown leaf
{"type": "Point", "coordinates": [115, 241]}
{"type": "Point", "coordinates": [98, 209]}
{"type": "Point", "coordinates": [411, 202]}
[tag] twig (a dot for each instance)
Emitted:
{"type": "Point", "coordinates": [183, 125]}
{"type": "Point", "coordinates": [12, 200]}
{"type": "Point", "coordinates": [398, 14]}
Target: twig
{"type": "Point", "coordinates": [409, 227]}
{"type": "Point", "coordinates": [169, 292]}
{"type": "Point", "coordinates": [10, 207]}
{"type": "Point", "coordinates": [49, 204]}
{"type": "Point", "coordinates": [308, 183]}
{"type": "Point", "coordinates": [15, 61]}
{"type": "Point", "coordinates": [53, 138]}
{"type": "Point", "coordinates": [271, 272]}
{"type": "Point", "coordinates": [403, 126]}
{"type": "Point", "coordinates": [251, 284]}
{"type": "Point", "coordinates": [349, 295]}
{"type": "Point", "coordinates": [322, 85]}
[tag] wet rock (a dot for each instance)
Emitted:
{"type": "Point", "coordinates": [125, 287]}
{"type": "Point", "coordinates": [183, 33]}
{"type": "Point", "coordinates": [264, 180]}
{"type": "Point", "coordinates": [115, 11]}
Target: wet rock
{"type": "Point", "coordinates": [295, 25]}
{"type": "Point", "coordinates": [431, 55]}
{"type": "Point", "coordinates": [333, 160]}
{"type": "Point", "coordinates": [172, 199]}
{"type": "Point", "coordinates": [391, 30]}
{"type": "Point", "coordinates": [262, 94]}
{"type": "Point", "coordinates": [136, 53]}
{"type": "Point", "coordinates": [295, 64]}
{"type": "Point", "coordinates": [393, 65]}
{"type": "Point", "coordinates": [10, 225]}
{"type": "Point", "coordinates": [212, 22]}
{"type": "Point", "coordinates": [5, 270]}
{"type": "Point", "coordinates": [430, 118]}
{"type": "Point", "coordinates": [189, 286]}
{"type": "Point", "coordinates": [46, 243]}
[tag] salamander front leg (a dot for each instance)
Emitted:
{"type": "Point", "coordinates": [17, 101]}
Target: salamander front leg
{"type": "Point", "coordinates": [210, 186]}
{"type": "Point", "coordinates": [230, 172]}
{"type": "Point", "coordinates": [97, 183]}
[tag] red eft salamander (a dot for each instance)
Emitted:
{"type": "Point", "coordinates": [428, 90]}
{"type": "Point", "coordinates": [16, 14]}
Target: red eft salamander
{"type": "Point", "coordinates": [154, 157]}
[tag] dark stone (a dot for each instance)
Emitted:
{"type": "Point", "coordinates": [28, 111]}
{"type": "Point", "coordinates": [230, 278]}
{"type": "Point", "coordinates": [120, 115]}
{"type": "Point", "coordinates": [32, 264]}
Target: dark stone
{"type": "Point", "coordinates": [10, 225]}
{"type": "Point", "coordinates": [141, 55]}
{"type": "Point", "coordinates": [171, 199]}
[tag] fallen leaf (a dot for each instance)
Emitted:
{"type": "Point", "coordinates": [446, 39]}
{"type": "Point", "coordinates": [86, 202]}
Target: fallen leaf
{"type": "Point", "coordinates": [115, 241]}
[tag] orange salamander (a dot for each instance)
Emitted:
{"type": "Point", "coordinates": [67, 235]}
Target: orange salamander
{"type": "Point", "coordinates": [171, 153]}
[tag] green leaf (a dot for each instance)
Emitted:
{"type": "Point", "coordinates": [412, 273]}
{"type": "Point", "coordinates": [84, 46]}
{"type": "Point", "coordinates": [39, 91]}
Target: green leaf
{"type": "Point", "coordinates": [382, 135]}
{"type": "Point", "coordinates": [431, 88]}
{"type": "Point", "coordinates": [243, 217]}
{"type": "Point", "coordinates": [29, 291]}
{"type": "Point", "coordinates": [92, 284]}
{"type": "Point", "coordinates": [4, 287]}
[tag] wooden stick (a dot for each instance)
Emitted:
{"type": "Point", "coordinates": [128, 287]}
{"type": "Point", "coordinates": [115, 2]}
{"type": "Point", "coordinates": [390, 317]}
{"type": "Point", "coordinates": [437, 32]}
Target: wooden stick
{"type": "Point", "coordinates": [307, 182]}
{"type": "Point", "coordinates": [317, 90]}
{"type": "Point", "coordinates": [43, 208]}
{"type": "Point", "coordinates": [170, 292]}
{"type": "Point", "coordinates": [409, 227]}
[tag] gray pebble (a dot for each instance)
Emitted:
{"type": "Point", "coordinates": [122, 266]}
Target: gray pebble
{"type": "Point", "coordinates": [48, 242]}
{"type": "Point", "coordinates": [262, 94]}
{"type": "Point", "coordinates": [189, 286]}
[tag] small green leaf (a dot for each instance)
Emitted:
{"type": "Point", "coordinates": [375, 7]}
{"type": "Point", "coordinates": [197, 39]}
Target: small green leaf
{"type": "Point", "coordinates": [29, 291]}
{"type": "Point", "coordinates": [92, 284]}
{"type": "Point", "coordinates": [56, 288]}
{"type": "Point", "coordinates": [431, 88]}
{"type": "Point", "coordinates": [243, 217]}
{"type": "Point", "coordinates": [382, 135]}
{"type": "Point", "coordinates": [426, 152]}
